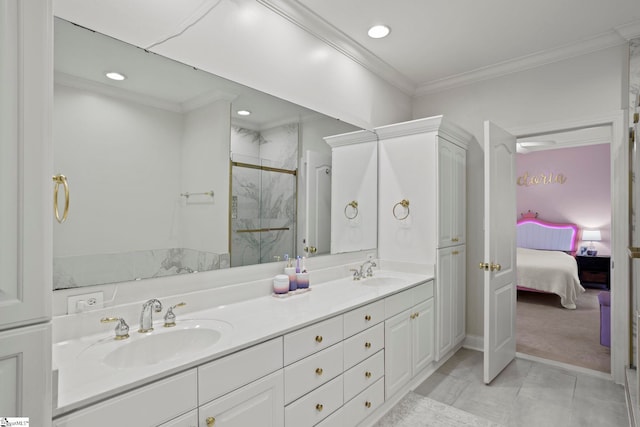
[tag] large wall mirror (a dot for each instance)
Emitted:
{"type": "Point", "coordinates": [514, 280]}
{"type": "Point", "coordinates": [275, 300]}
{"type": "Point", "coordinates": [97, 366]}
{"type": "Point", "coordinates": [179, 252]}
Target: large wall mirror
{"type": "Point", "coordinates": [166, 174]}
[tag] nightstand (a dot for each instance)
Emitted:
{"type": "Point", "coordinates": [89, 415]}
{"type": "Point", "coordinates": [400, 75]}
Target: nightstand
{"type": "Point", "coordinates": [594, 271]}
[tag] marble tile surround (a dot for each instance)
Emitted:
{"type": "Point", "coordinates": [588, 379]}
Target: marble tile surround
{"type": "Point", "coordinates": [97, 269]}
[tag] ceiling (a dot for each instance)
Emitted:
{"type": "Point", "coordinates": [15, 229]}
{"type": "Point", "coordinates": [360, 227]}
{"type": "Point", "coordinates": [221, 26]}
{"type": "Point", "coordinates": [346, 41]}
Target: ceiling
{"type": "Point", "coordinates": [434, 45]}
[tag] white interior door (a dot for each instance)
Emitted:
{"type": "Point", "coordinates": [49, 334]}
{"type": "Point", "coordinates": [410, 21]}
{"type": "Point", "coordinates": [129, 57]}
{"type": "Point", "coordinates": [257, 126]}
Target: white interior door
{"type": "Point", "coordinates": [499, 250]}
{"type": "Point", "coordinates": [318, 209]}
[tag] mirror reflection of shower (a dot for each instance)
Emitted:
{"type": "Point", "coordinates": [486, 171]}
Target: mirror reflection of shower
{"type": "Point", "coordinates": [263, 193]}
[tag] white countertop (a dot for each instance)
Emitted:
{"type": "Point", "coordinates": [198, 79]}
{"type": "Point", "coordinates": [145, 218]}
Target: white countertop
{"type": "Point", "coordinates": [83, 379]}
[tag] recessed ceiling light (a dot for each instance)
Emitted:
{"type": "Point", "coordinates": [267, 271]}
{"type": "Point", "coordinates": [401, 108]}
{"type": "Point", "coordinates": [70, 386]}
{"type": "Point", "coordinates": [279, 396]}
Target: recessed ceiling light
{"type": "Point", "coordinates": [244, 112]}
{"type": "Point", "coordinates": [114, 75]}
{"type": "Point", "coordinates": [379, 31]}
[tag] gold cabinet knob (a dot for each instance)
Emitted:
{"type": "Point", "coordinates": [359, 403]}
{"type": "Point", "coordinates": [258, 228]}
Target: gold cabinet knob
{"type": "Point", "coordinates": [319, 407]}
{"type": "Point", "coordinates": [319, 371]}
{"type": "Point", "coordinates": [367, 345]}
{"type": "Point", "coordinates": [455, 253]}
{"type": "Point", "coordinates": [367, 374]}
{"type": "Point", "coordinates": [418, 314]}
{"type": "Point", "coordinates": [367, 404]}
{"type": "Point", "coordinates": [455, 239]}
{"type": "Point", "coordinates": [210, 421]}
{"type": "Point", "coordinates": [318, 338]}
{"type": "Point", "coordinates": [367, 318]}
{"type": "Point", "coordinates": [495, 267]}
{"type": "Point", "coordinates": [413, 316]}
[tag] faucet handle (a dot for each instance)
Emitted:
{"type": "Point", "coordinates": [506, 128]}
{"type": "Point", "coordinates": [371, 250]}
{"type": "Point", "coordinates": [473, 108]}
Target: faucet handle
{"type": "Point", "coordinates": [370, 269]}
{"type": "Point", "coordinates": [356, 273]}
{"type": "Point", "coordinates": [122, 329]}
{"type": "Point", "coordinates": [170, 317]}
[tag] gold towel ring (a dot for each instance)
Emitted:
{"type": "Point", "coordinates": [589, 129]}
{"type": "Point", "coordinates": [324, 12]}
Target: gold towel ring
{"type": "Point", "coordinates": [61, 179]}
{"type": "Point", "coordinates": [405, 204]}
{"type": "Point", "coordinates": [354, 205]}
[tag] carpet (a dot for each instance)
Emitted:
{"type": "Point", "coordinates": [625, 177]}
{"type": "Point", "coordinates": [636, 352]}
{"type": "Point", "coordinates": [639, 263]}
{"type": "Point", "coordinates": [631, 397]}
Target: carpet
{"type": "Point", "coordinates": [545, 329]}
{"type": "Point", "coordinates": [419, 411]}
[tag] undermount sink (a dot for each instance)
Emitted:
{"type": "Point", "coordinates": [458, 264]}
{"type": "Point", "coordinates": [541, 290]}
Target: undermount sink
{"type": "Point", "coordinates": [382, 281]}
{"type": "Point", "coordinates": [160, 345]}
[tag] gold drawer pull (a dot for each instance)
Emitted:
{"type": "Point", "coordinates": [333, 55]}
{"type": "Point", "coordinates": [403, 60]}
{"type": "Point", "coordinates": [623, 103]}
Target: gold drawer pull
{"type": "Point", "coordinates": [60, 180]}
{"type": "Point", "coordinates": [455, 239]}
{"type": "Point", "coordinates": [367, 345]}
{"type": "Point", "coordinates": [210, 421]}
{"type": "Point", "coordinates": [367, 404]}
{"type": "Point", "coordinates": [318, 338]}
{"type": "Point", "coordinates": [319, 407]}
{"type": "Point", "coordinates": [367, 374]}
{"type": "Point", "coordinates": [319, 371]}
{"type": "Point", "coordinates": [367, 318]}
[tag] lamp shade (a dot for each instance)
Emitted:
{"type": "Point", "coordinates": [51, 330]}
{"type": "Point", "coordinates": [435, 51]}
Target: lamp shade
{"type": "Point", "coordinates": [591, 235]}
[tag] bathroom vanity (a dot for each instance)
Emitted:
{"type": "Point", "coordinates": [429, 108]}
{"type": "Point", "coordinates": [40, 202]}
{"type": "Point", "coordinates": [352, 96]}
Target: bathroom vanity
{"type": "Point", "coordinates": [341, 354]}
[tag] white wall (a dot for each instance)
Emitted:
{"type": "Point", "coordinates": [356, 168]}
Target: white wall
{"type": "Point", "coordinates": [205, 167]}
{"type": "Point", "coordinates": [121, 162]}
{"type": "Point", "coordinates": [571, 89]}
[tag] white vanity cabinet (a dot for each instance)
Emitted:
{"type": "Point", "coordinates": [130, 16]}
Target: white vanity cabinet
{"type": "Point", "coordinates": [452, 164]}
{"type": "Point", "coordinates": [409, 336]}
{"type": "Point", "coordinates": [354, 189]}
{"type": "Point", "coordinates": [26, 79]}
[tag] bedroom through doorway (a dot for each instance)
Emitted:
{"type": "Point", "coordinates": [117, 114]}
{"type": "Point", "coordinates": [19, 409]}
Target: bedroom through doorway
{"type": "Point", "coordinates": [565, 178]}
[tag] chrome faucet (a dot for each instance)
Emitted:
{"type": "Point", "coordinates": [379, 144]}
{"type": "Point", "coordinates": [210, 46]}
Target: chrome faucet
{"type": "Point", "coordinates": [146, 317]}
{"type": "Point", "coordinates": [369, 271]}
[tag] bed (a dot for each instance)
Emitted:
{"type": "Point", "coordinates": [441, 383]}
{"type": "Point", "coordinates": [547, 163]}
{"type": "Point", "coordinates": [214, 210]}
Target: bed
{"type": "Point", "coordinates": [545, 261]}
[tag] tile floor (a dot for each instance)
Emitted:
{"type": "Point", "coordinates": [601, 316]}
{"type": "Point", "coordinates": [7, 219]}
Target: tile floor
{"type": "Point", "coordinates": [527, 393]}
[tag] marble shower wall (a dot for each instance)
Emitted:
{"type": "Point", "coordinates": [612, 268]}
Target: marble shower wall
{"type": "Point", "coordinates": [98, 269]}
{"type": "Point", "coordinates": [263, 199]}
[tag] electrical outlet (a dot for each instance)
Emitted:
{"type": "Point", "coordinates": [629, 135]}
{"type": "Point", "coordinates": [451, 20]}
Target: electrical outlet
{"type": "Point", "coordinates": [85, 302]}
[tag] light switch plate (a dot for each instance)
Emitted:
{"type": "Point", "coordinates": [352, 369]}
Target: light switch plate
{"type": "Point", "coordinates": [85, 302]}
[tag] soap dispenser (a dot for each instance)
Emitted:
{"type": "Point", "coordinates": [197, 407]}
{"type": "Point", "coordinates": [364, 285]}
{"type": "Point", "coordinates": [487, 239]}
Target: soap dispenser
{"type": "Point", "coordinates": [290, 271]}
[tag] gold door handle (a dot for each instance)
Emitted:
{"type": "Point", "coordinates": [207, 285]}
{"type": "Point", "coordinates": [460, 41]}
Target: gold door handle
{"type": "Point", "coordinates": [210, 421]}
{"type": "Point", "coordinates": [319, 371]}
{"type": "Point", "coordinates": [318, 338]}
{"type": "Point", "coordinates": [495, 267]}
{"type": "Point", "coordinates": [310, 249]}
{"type": "Point", "coordinates": [60, 179]}
{"type": "Point", "coordinates": [484, 266]}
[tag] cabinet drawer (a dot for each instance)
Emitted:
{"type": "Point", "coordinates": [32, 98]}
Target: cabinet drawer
{"type": "Point", "coordinates": [362, 318]}
{"type": "Point", "coordinates": [311, 339]}
{"type": "Point", "coordinates": [364, 404]}
{"type": "Point", "coordinates": [311, 372]}
{"type": "Point", "coordinates": [150, 405]}
{"type": "Point", "coordinates": [399, 302]}
{"type": "Point", "coordinates": [363, 375]}
{"type": "Point", "coordinates": [363, 345]}
{"type": "Point", "coordinates": [259, 403]}
{"type": "Point", "coordinates": [190, 419]}
{"type": "Point", "coordinates": [231, 372]}
{"type": "Point", "coordinates": [315, 406]}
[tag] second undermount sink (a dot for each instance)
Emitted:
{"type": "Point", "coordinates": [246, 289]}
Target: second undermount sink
{"type": "Point", "coordinates": [160, 345]}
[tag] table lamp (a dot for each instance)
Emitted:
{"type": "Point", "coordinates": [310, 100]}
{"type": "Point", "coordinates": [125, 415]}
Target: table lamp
{"type": "Point", "coordinates": [591, 236]}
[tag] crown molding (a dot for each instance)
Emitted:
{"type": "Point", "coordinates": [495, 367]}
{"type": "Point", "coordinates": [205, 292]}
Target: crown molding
{"type": "Point", "coordinates": [351, 138]}
{"type": "Point", "coordinates": [592, 44]}
{"type": "Point", "coordinates": [629, 31]}
{"type": "Point", "coordinates": [439, 124]}
{"type": "Point", "coordinates": [309, 21]}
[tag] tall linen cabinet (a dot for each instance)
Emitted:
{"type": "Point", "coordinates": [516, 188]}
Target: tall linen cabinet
{"type": "Point", "coordinates": [26, 78]}
{"type": "Point", "coordinates": [422, 212]}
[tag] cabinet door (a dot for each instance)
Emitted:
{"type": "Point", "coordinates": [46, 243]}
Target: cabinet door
{"type": "Point", "coordinates": [397, 344]}
{"type": "Point", "coordinates": [423, 335]}
{"type": "Point", "coordinates": [451, 194]}
{"type": "Point", "coordinates": [459, 286]}
{"type": "Point", "coordinates": [260, 403]}
{"type": "Point", "coordinates": [25, 374]}
{"type": "Point", "coordinates": [26, 79]}
{"type": "Point", "coordinates": [444, 297]}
